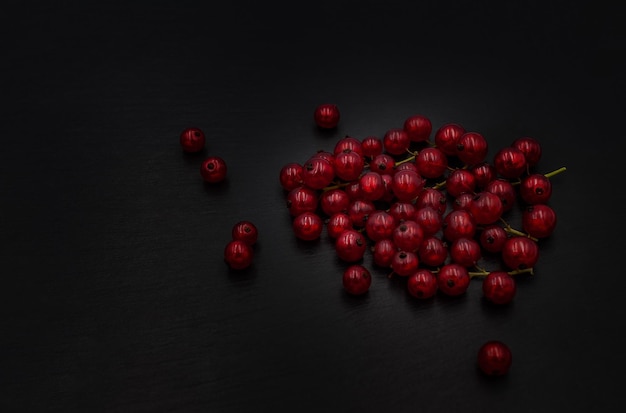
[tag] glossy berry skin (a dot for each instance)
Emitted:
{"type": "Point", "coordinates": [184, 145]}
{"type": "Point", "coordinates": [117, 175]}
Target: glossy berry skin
{"type": "Point", "coordinates": [356, 279]}
{"type": "Point", "coordinates": [380, 225]}
{"type": "Point", "coordinates": [453, 279]}
{"type": "Point", "coordinates": [238, 254]}
{"type": "Point", "coordinates": [337, 223]}
{"type": "Point", "coordinates": [326, 115]}
{"type": "Point", "coordinates": [302, 199]}
{"type": "Point", "coordinates": [492, 238]}
{"type": "Point", "coordinates": [505, 191]}
{"type": "Point", "coordinates": [519, 253]}
{"type": "Point", "coordinates": [499, 287]}
{"type": "Point", "coordinates": [471, 148]}
{"type": "Point", "coordinates": [245, 231]}
{"type": "Point", "coordinates": [350, 245]}
{"type": "Point", "coordinates": [348, 143]}
{"type": "Point", "coordinates": [447, 137]}
{"type": "Point", "coordinates": [330, 157]}
{"type": "Point", "coordinates": [433, 198]}
{"type": "Point", "coordinates": [433, 252]}
{"type": "Point", "coordinates": [484, 173]}
{"type": "Point", "coordinates": [494, 358]}
{"type": "Point", "coordinates": [463, 201]}
{"type": "Point", "coordinates": [353, 189]}
{"type": "Point", "coordinates": [317, 173]}
{"type": "Point", "coordinates": [308, 226]}
{"type": "Point", "coordinates": [486, 208]}
{"type": "Point", "coordinates": [334, 201]}
{"type": "Point", "coordinates": [372, 186]}
{"type": "Point", "coordinates": [509, 162]}
{"type": "Point", "coordinates": [396, 141]}
{"type": "Point", "coordinates": [431, 162]}
{"type": "Point", "coordinates": [458, 224]}
{"type": "Point", "coordinates": [465, 252]}
{"type": "Point", "coordinates": [290, 176]}
{"type": "Point", "coordinates": [530, 147]}
{"type": "Point", "coordinates": [192, 140]}
{"type": "Point", "coordinates": [418, 127]}
{"type": "Point", "coordinates": [460, 181]}
{"type": "Point", "coordinates": [402, 210]}
{"type": "Point", "coordinates": [539, 220]}
{"type": "Point", "coordinates": [407, 185]}
{"type": "Point", "coordinates": [535, 189]}
{"type": "Point", "coordinates": [422, 284]}
{"type": "Point", "coordinates": [213, 169]}
{"type": "Point", "coordinates": [383, 164]}
{"type": "Point", "coordinates": [408, 235]}
{"type": "Point", "coordinates": [388, 196]}
{"type": "Point", "coordinates": [371, 146]}
{"type": "Point", "coordinates": [348, 165]}
{"type": "Point", "coordinates": [429, 220]}
{"type": "Point", "coordinates": [404, 263]}
{"type": "Point", "coordinates": [406, 165]}
{"type": "Point", "coordinates": [359, 210]}
{"type": "Point", "coordinates": [383, 253]}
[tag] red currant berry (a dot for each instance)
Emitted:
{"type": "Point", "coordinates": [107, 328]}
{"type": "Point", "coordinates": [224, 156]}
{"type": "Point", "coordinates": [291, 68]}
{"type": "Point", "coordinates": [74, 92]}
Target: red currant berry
{"type": "Point", "coordinates": [350, 245]}
{"type": "Point", "coordinates": [471, 148]}
{"type": "Point", "coordinates": [465, 252]}
{"type": "Point", "coordinates": [317, 173]}
{"type": "Point", "coordinates": [519, 253]}
{"type": "Point", "coordinates": [213, 169]}
{"type": "Point", "coordinates": [530, 147]}
{"type": "Point", "coordinates": [463, 201]}
{"type": "Point", "coordinates": [539, 220]}
{"type": "Point", "coordinates": [429, 220]}
{"type": "Point", "coordinates": [494, 358]}
{"type": "Point", "coordinates": [458, 224]}
{"type": "Point", "coordinates": [356, 279]}
{"type": "Point", "coordinates": [348, 165]}
{"type": "Point", "coordinates": [353, 189]}
{"type": "Point", "coordinates": [460, 181]}
{"type": "Point", "coordinates": [433, 198]}
{"type": "Point", "coordinates": [192, 140]}
{"type": "Point", "coordinates": [402, 211]}
{"type": "Point", "coordinates": [492, 238]}
{"type": "Point", "coordinates": [406, 165]}
{"type": "Point", "coordinates": [359, 210]}
{"type": "Point", "coordinates": [308, 226]}
{"type": "Point", "coordinates": [337, 223]}
{"type": "Point", "coordinates": [326, 115]}
{"type": "Point", "coordinates": [238, 254]}
{"type": "Point", "coordinates": [499, 287]}
{"type": "Point", "coordinates": [404, 263]}
{"type": "Point", "coordinates": [348, 143]}
{"type": "Point", "coordinates": [388, 196]}
{"type": "Point", "coordinates": [372, 186]}
{"type": "Point", "coordinates": [396, 141]}
{"type": "Point", "coordinates": [453, 279]}
{"type": "Point", "coordinates": [372, 146]}
{"type": "Point", "coordinates": [383, 252]}
{"type": "Point", "coordinates": [418, 127]}
{"type": "Point", "coordinates": [433, 252]}
{"type": "Point", "coordinates": [408, 235]}
{"type": "Point", "coordinates": [333, 201]}
{"type": "Point", "coordinates": [291, 176]}
{"type": "Point", "coordinates": [422, 284]}
{"type": "Point", "coordinates": [431, 162]}
{"type": "Point", "coordinates": [505, 191]}
{"type": "Point", "coordinates": [486, 208]}
{"type": "Point", "coordinates": [383, 164]}
{"type": "Point", "coordinates": [245, 231]}
{"type": "Point", "coordinates": [380, 225]}
{"type": "Point", "coordinates": [535, 189]}
{"type": "Point", "coordinates": [330, 157]}
{"type": "Point", "coordinates": [509, 162]}
{"type": "Point", "coordinates": [484, 173]}
{"type": "Point", "coordinates": [302, 199]}
{"type": "Point", "coordinates": [447, 137]}
{"type": "Point", "coordinates": [406, 185]}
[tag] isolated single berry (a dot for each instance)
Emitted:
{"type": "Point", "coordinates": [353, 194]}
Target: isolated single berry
{"type": "Point", "coordinates": [494, 358]}
{"type": "Point", "coordinates": [245, 231]}
{"type": "Point", "coordinates": [192, 140]}
{"type": "Point", "coordinates": [326, 115]}
{"type": "Point", "coordinates": [356, 279]}
{"type": "Point", "coordinates": [213, 169]}
{"type": "Point", "coordinates": [418, 127]}
{"type": "Point", "coordinates": [238, 254]}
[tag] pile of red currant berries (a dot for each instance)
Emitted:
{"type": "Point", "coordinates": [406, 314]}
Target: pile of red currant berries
{"type": "Point", "coordinates": [426, 209]}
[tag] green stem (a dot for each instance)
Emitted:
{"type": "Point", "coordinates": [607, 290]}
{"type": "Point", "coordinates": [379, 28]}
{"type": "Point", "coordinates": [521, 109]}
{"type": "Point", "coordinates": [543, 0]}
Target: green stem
{"type": "Point", "coordinates": [513, 231]}
{"type": "Point", "coordinates": [555, 172]}
{"type": "Point", "coordinates": [408, 159]}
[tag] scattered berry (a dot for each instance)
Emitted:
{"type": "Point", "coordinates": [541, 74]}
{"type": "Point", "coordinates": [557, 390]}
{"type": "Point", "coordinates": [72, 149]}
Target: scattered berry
{"type": "Point", "coordinates": [192, 140]}
{"type": "Point", "coordinates": [213, 169]}
{"type": "Point", "coordinates": [326, 116]}
{"type": "Point", "coordinates": [494, 358]}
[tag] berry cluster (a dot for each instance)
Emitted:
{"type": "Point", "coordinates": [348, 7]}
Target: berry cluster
{"type": "Point", "coordinates": [427, 209]}
{"type": "Point", "coordinates": [213, 168]}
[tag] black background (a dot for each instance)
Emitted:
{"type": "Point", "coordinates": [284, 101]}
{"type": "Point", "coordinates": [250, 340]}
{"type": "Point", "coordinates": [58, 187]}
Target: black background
{"type": "Point", "coordinates": [114, 290]}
